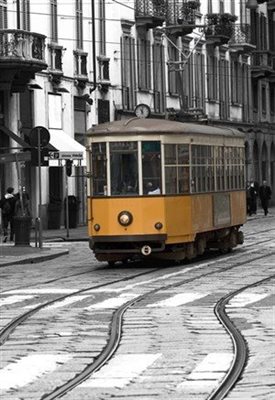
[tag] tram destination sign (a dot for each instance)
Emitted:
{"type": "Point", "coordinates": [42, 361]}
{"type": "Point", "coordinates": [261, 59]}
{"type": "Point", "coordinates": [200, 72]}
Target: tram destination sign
{"type": "Point", "coordinates": [65, 155]}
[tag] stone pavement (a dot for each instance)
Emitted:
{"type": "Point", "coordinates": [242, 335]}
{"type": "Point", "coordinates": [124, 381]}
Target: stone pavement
{"type": "Point", "coordinates": [11, 254]}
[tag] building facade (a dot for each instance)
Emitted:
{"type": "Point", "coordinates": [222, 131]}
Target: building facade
{"type": "Point", "coordinates": [68, 66]}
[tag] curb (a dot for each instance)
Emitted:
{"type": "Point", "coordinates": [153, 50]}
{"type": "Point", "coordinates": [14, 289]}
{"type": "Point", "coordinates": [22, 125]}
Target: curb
{"type": "Point", "coordinates": [35, 259]}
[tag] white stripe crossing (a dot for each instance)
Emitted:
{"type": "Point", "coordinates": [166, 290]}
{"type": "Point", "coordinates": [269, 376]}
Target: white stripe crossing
{"type": "Point", "coordinates": [178, 300]}
{"type": "Point", "coordinates": [149, 281]}
{"type": "Point", "coordinates": [244, 299]}
{"type": "Point", "coordinates": [66, 302]}
{"type": "Point", "coordinates": [112, 302]}
{"type": "Point", "coordinates": [121, 370]}
{"type": "Point", "coordinates": [29, 368]}
{"type": "Point", "coordinates": [41, 291]}
{"type": "Point", "coordinates": [208, 373]}
{"type": "Point", "coordinates": [14, 299]}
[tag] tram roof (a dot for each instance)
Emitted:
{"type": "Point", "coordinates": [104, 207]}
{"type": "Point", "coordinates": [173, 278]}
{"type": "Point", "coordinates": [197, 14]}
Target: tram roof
{"type": "Point", "coordinates": [157, 126]}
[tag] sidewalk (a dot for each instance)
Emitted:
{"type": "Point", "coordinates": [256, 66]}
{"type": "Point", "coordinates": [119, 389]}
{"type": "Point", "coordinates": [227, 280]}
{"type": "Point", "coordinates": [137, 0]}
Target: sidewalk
{"type": "Point", "coordinates": [11, 254]}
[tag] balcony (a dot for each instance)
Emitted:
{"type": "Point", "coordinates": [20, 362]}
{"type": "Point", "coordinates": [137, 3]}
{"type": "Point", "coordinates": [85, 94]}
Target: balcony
{"type": "Point", "coordinates": [150, 13]}
{"type": "Point", "coordinates": [240, 41]}
{"type": "Point", "coordinates": [262, 64]}
{"type": "Point", "coordinates": [181, 17]}
{"type": "Point", "coordinates": [271, 5]}
{"type": "Point", "coordinates": [219, 28]}
{"type": "Point", "coordinates": [22, 54]}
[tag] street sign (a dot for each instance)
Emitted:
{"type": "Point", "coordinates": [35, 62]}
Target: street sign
{"type": "Point", "coordinates": [65, 155]}
{"type": "Point", "coordinates": [39, 132]}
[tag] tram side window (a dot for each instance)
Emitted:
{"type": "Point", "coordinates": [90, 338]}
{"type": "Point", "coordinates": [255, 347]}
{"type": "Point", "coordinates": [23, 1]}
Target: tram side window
{"type": "Point", "coordinates": [177, 168]}
{"type": "Point", "coordinates": [124, 168]}
{"type": "Point", "coordinates": [151, 167]}
{"type": "Point", "coordinates": [99, 169]}
{"type": "Point", "coordinates": [202, 168]}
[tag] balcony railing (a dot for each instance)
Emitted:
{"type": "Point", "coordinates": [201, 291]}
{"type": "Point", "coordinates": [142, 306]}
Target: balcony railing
{"type": "Point", "coordinates": [220, 28]}
{"type": "Point", "coordinates": [152, 8]}
{"type": "Point", "coordinates": [22, 45]}
{"type": "Point", "coordinates": [181, 13]}
{"type": "Point", "coordinates": [150, 13]}
{"type": "Point", "coordinates": [262, 64]}
{"type": "Point", "coordinates": [241, 38]}
{"type": "Point", "coordinates": [271, 5]}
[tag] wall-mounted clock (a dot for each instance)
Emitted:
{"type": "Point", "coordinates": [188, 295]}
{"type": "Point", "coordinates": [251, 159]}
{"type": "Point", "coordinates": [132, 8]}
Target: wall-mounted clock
{"type": "Point", "coordinates": [142, 111]}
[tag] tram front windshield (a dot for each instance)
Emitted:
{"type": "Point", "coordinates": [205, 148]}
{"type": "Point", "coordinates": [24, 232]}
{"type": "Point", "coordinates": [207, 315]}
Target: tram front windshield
{"type": "Point", "coordinates": [125, 171]}
{"type": "Point", "coordinates": [124, 168]}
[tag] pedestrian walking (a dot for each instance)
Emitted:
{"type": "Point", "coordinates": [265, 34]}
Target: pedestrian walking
{"type": "Point", "coordinates": [7, 204]}
{"type": "Point", "coordinates": [252, 196]}
{"type": "Point", "coordinates": [265, 195]}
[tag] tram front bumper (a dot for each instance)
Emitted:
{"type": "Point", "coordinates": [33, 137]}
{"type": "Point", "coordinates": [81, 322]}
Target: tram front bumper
{"type": "Point", "coordinates": [132, 244]}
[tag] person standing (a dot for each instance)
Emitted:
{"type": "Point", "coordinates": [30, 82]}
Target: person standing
{"type": "Point", "coordinates": [265, 196]}
{"type": "Point", "coordinates": [7, 204]}
{"type": "Point", "coordinates": [252, 192]}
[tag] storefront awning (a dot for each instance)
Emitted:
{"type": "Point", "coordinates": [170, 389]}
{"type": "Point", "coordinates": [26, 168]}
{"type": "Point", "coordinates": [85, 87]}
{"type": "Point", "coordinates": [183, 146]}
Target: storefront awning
{"type": "Point", "coordinates": [66, 149]}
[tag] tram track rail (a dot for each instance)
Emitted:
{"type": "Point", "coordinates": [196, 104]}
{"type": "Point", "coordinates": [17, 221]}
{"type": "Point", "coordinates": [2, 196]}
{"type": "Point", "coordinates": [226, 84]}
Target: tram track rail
{"type": "Point", "coordinates": [9, 328]}
{"type": "Point", "coordinates": [210, 256]}
{"type": "Point", "coordinates": [239, 343]}
{"type": "Point", "coordinates": [116, 332]}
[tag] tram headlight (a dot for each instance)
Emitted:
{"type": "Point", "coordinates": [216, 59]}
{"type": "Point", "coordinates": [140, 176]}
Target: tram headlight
{"type": "Point", "coordinates": [96, 227]}
{"type": "Point", "coordinates": [158, 225]}
{"type": "Point", "coordinates": [125, 218]}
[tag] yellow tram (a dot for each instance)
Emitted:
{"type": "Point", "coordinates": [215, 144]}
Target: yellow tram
{"type": "Point", "coordinates": [164, 189]}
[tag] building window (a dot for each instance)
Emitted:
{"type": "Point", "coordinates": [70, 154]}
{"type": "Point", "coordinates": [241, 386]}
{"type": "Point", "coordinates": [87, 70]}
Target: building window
{"type": "Point", "coordinates": [55, 57]}
{"type": "Point", "coordinates": [144, 63]}
{"type": "Point", "coordinates": [55, 111]}
{"type": "Point", "coordinates": [80, 60]}
{"type": "Point", "coordinates": [272, 99]}
{"type": "Point", "coordinates": [199, 73]}
{"type": "Point", "coordinates": [104, 72]}
{"type": "Point", "coordinates": [79, 24]}
{"type": "Point", "coordinates": [173, 56]}
{"type": "Point", "coordinates": [23, 14]}
{"type": "Point", "coordinates": [128, 71]}
{"type": "Point", "coordinates": [236, 82]}
{"type": "Point", "coordinates": [54, 31]}
{"type": "Point", "coordinates": [159, 76]}
{"type": "Point", "coordinates": [102, 28]}
{"type": "Point", "coordinates": [263, 95]}
{"type": "Point", "coordinates": [212, 77]}
{"type": "Point", "coordinates": [3, 15]}
{"type": "Point", "coordinates": [255, 95]}
{"type": "Point", "coordinates": [224, 88]}
{"type": "Point", "coordinates": [221, 6]}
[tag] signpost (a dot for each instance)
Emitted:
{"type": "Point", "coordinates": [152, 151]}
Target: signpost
{"type": "Point", "coordinates": [39, 138]}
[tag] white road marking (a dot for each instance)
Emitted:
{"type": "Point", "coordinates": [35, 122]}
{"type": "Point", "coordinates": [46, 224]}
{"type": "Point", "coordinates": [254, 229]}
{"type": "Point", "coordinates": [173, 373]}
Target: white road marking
{"type": "Point", "coordinates": [209, 372]}
{"type": "Point", "coordinates": [66, 302]}
{"type": "Point", "coordinates": [113, 302]}
{"type": "Point", "coordinates": [14, 299]}
{"type": "Point", "coordinates": [178, 299]}
{"type": "Point", "coordinates": [120, 370]}
{"type": "Point", "coordinates": [29, 368]}
{"type": "Point", "coordinates": [160, 278]}
{"type": "Point", "coordinates": [41, 291]}
{"type": "Point", "coordinates": [244, 299]}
